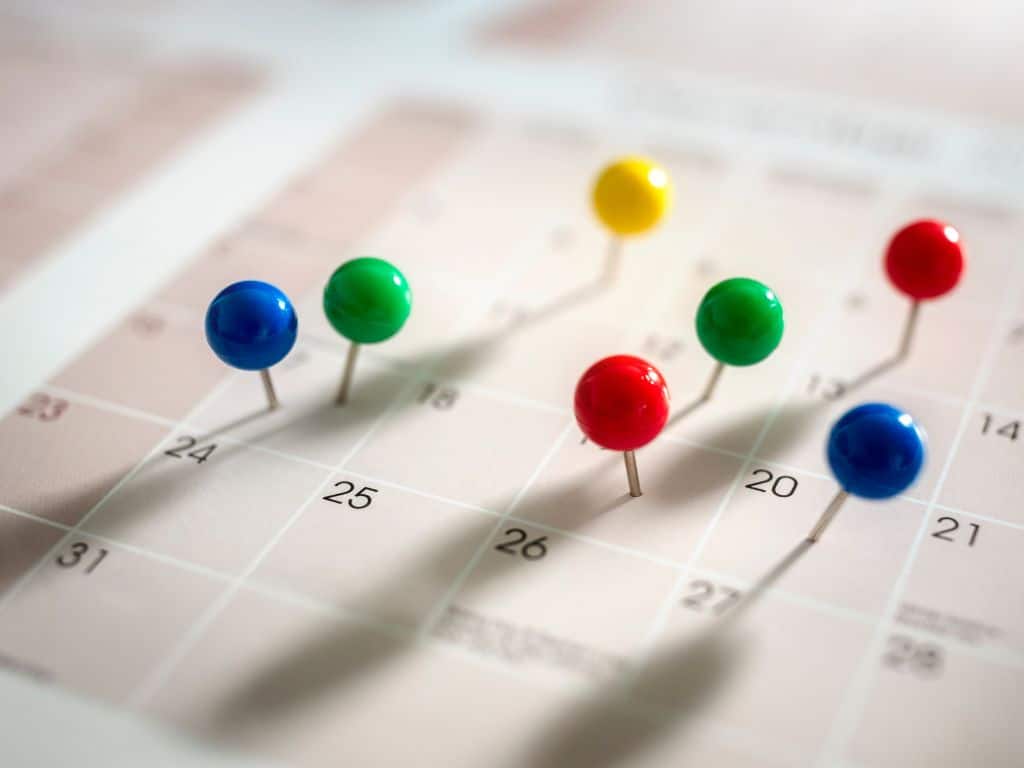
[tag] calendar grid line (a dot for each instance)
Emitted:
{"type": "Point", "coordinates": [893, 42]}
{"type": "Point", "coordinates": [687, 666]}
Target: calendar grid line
{"type": "Point", "coordinates": [161, 674]}
{"type": "Point", "coordinates": [266, 611]}
{"type": "Point", "coordinates": [185, 565]}
{"type": "Point", "coordinates": [528, 522]}
{"type": "Point", "coordinates": [850, 711]}
{"type": "Point", "coordinates": [307, 602]}
{"type": "Point", "coordinates": [294, 596]}
{"type": "Point", "coordinates": [231, 439]}
{"type": "Point", "coordinates": [734, 198]}
{"type": "Point", "coordinates": [400, 632]}
{"type": "Point", "coordinates": [998, 655]}
{"type": "Point", "coordinates": [27, 577]}
{"type": "Point", "coordinates": [430, 622]}
{"type": "Point", "coordinates": [661, 620]}
{"type": "Point", "coordinates": [400, 366]}
{"type": "Point", "coordinates": [411, 377]}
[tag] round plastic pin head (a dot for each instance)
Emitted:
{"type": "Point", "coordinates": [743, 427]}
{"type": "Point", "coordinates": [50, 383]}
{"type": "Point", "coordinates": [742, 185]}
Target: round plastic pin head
{"type": "Point", "coordinates": [925, 259]}
{"type": "Point", "coordinates": [367, 300]}
{"type": "Point", "coordinates": [621, 404]}
{"type": "Point", "coordinates": [876, 451]}
{"type": "Point", "coordinates": [740, 322]}
{"type": "Point", "coordinates": [251, 325]}
{"type": "Point", "coordinates": [632, 195]}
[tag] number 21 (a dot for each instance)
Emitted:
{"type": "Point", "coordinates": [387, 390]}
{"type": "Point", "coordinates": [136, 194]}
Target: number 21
{"type": "Point", "coordinates": [946, 534]}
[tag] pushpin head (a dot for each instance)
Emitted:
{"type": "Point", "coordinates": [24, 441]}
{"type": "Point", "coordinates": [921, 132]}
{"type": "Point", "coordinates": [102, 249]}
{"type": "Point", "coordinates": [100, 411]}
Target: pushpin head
{"type": "Point", "coordinates": [367, 300]}
{"type": "Point", "coordinates": [621, 403]}
{"type": "Point", "coordinates": [251, 325]}
{"type": "Point", "coordinates": [925, 259]}
{"type": "Point", "coordinates": [875, 451]}
{"type": "Point", "coordinates": [739, 321]}
{"type": "Point", "coordinates": [632, 195]}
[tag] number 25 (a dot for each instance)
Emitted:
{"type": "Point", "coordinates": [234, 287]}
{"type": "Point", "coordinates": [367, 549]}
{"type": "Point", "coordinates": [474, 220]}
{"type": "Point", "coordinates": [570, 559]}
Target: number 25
{"type": "Point", "coordinates": [347, 487]}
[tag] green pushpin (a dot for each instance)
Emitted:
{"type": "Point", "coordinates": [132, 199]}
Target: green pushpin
{"type": "Point", "coordinates": [739, 322]}
{"type": "Point", "coordinates": [367, 300]}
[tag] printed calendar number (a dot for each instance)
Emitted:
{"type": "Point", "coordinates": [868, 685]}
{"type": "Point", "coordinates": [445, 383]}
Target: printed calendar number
{"type": "Point", "coordinates": [826, 387]}
{"type": "Point", "coordinates": [185, 443]}
{"type": "Point", "coordinates": [706, 596]}
{"type": "Point", "coordinates": [436, 396]}
{"type": "Point", "coordinates": [43, 407]}
{"type": "Point", "coordinates": [662, 348]}
{"type": "Point", "coordinates": [782, 486]}
{"type": "Point", "coordinates": [949, 530]}
{"type": "Point", "coordinates": [78, 554]}
{"type": "Point", "coordinates": [296, 359]}
{"type": "Point", "coordinates": [516, 545]}
{"type": "Point", "coordinates": [990, 426]}
{"type": "Point", "coordinates": [510, 314]}
{"type": "Point", "coordinates": [905, 654]}
{"type": "Point", "coordinates": [346, 496]}
{"type": "Point", "coordinates": [146, 324]}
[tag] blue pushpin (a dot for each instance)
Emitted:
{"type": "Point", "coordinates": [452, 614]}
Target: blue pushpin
{"type": "Point", "coordinates": [875, 451]}
{"type": "Point", "coordinates": [252, 325]}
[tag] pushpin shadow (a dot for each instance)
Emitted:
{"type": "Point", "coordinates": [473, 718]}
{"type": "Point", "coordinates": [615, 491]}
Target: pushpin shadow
{"type": "Point", "coordinates": [339, 654]}
{"type": "Point", "coordinates": [462, 358]}
{"type": "Point", "coordinates": [686, 410]}
{"type": "Point", "coordinates": [624, 720]}
{"type": "Point", "coordinates": [886, 365]}
{"type": "Point", "coordinates": [241, 421]}
{"type": "Point", "coordinates": [559, 304]}
{"type": "Point", "coordinates": [872, 373]}
{"type": "Point", "coordinates": [704, 397]}
{"type": "Point", "coordinates": [775, 573]}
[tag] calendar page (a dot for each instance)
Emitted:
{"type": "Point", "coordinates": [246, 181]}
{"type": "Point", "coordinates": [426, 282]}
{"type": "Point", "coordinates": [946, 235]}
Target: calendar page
{"type": "Point", "coordinates": [442, 571]}
{"type": "Point", "coordinates": [82, 123]}
{"type": "Point", "coordinates": [942, 55]}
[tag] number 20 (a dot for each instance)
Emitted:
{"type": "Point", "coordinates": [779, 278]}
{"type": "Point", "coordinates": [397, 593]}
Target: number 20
{"type": "Point", "coordinates": [783, 486]}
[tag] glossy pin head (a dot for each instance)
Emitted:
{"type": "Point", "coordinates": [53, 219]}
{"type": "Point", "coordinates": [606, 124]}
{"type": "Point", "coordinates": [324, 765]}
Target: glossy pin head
{"type": "Point", "coordinates": [367, 300]}
{"type": "Point", "coordinates": [925, 259]}
{"type": "Point", "coordinates": [251, 325]}
{"type": "Point", "coordinates": [739, 321]}
{"type": "Point", "coordinates": [621, 403]}
{"type": "Point", "coordinates": [876, 451]}
{"type": "Point", "coordinates": [632, 195]}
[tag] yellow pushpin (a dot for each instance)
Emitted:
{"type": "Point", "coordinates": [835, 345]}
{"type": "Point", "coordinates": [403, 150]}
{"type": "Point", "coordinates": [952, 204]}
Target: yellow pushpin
{"type": "Point", "coordinates": [631, 195]}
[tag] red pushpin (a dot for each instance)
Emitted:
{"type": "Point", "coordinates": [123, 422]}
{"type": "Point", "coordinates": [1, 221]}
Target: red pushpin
{"type": "Point", "coordinates": [622, 404]}
{"type": "Point", "coordinates": [924, 260]}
